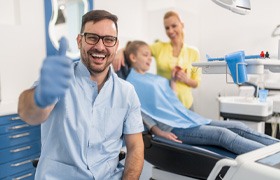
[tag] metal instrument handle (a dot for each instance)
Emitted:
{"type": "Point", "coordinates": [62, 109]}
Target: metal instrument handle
{"type": "Point", "coordinates": [19, 126]}
{"type": "Point", "coordinates": [21, 163]}
{"type": "Point", "coordinates": [15, 118]}
{"type": "Point", "coordinates": [20, 149]}
{"type": "Point", "coordinates": [20, 135]}
{"type": "Point", "coordinates": [23, 177]}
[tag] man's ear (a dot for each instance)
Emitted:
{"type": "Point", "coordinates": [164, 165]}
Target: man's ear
{"type": "Point", "coordinates": [79, 39]}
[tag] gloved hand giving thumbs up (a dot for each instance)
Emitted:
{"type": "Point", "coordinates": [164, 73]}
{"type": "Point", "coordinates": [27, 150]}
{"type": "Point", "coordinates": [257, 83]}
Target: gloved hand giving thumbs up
{"type": "Point", "coordinates": [54, 78]}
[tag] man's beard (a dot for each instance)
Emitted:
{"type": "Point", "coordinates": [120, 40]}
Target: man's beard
{"type": "Point", "coordinates": [93, 68]}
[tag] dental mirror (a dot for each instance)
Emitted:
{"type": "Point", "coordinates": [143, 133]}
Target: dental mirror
{"type": "Point", "coordinates": [66, 21]}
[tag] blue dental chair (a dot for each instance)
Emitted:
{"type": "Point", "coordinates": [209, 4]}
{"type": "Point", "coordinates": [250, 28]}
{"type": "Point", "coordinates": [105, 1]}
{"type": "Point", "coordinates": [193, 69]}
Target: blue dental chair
{"type": "Point", "coordinates": [182, 159]}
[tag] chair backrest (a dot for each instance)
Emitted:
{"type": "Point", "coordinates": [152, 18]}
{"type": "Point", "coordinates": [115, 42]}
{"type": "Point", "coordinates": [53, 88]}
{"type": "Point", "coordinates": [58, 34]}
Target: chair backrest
{"type": "Point", "coordinates": [124, 70]}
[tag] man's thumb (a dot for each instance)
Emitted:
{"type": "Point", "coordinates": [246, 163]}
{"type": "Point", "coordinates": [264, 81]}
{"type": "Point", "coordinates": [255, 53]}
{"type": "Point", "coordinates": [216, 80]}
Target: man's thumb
{"type": "Point", "coordinates": [63, 46]}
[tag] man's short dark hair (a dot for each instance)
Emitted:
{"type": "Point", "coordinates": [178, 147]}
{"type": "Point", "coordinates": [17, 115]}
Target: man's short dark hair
{"type": "Point", "coordinates": [98, 15]}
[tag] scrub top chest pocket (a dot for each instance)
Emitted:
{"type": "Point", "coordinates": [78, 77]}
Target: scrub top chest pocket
{"type": "Point", "coordinates": [110, 121]}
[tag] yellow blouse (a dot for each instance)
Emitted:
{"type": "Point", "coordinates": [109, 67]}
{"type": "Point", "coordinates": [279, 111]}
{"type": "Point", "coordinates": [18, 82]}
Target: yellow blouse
{"type": "Point", "coordinates": [165, 61]}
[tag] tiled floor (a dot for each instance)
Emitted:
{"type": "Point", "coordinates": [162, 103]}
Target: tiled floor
{"type": "Point", "coordinates": [147, 171]}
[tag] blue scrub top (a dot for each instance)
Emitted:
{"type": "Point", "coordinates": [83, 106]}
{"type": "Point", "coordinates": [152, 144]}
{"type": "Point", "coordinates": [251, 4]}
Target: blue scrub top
{"type": "Point", "coordinates": [83, 135]}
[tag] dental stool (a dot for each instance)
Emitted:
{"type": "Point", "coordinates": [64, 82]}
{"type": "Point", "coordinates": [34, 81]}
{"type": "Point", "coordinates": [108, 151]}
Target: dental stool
{"type": "Point", "coordinates": [183, 159]}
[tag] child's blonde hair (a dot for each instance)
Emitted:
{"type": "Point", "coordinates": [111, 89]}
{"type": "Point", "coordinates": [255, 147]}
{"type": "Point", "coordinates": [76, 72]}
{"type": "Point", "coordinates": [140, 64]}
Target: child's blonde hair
{"type": "Point", "coordinates": [132, 48]}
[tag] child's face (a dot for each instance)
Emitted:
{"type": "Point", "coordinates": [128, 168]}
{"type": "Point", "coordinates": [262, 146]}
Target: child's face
{"type": "Point", "coordinates": [143, 59]}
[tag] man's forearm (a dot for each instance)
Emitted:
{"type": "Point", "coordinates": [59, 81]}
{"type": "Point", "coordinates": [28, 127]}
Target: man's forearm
{"type": "Point", "coordinates": [28, 110]}
{"type": "Point", "coordinates": [134, 160]}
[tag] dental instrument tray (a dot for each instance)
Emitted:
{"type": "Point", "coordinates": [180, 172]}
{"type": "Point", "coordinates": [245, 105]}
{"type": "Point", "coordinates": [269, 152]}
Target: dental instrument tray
{"type": "Point", "coordinates": [254, 66]}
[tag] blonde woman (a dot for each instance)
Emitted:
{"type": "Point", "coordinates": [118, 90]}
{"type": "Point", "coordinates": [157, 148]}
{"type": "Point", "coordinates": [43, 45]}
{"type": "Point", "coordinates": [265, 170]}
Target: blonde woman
{"type": "Point", "coordinates": [173, 59]}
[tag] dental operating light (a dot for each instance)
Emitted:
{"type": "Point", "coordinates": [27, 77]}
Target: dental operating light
{"type": "Point", "coordinates": [242, 7]}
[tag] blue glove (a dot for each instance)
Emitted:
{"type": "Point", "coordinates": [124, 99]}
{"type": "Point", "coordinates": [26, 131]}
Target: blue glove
{"type": "Point", "coordinates": [55, 77]}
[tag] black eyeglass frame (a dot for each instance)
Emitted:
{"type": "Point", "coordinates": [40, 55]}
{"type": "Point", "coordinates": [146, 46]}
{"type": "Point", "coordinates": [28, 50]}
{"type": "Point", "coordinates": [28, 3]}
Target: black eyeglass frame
{"type": "Point", "coordinates": [99, 37]}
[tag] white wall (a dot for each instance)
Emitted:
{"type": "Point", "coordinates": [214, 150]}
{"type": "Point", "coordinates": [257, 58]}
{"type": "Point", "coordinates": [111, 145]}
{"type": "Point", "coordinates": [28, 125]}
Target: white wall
{"type": "Point", "coordinates": [214, 30]}
{"type": "Point", "coordinates": [22, 45]}
{"type": "Point", "coordinates": [222, 32]}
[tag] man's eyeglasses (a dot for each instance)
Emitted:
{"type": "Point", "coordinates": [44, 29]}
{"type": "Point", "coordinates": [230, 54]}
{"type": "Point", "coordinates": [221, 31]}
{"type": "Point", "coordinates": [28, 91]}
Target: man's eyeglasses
{"type": "Point", "coordinates": [92, 39]}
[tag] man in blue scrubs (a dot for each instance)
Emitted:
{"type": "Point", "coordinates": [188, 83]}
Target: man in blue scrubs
{"type": "Point", "coordinates": [85, 110]}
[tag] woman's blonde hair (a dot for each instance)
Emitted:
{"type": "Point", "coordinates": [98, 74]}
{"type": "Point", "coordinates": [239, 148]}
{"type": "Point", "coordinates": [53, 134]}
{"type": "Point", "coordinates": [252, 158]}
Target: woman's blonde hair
{"type": "Point", "coordinates": [169, 14]}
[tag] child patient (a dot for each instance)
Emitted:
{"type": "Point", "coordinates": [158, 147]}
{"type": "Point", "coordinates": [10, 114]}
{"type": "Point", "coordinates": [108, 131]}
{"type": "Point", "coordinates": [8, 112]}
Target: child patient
{"type": "Point", "coordinates": [166, 116]}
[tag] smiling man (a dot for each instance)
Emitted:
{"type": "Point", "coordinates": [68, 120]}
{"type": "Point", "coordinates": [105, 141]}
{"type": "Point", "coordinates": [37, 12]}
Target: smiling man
{"type": "Point", "coordinates": [85, 110]}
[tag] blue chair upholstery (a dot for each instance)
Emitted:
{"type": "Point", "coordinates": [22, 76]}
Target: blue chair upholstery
{"type": "Point", "coordinates": [183, 159]}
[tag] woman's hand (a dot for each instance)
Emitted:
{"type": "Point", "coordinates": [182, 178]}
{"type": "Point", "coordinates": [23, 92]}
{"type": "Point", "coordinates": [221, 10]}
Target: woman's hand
{"type": "Point", "coordinates": [182, 76]}
{"type": "Point", "coordinates": [118, 60]}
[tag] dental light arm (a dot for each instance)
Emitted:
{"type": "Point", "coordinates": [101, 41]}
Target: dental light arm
{"type": "Point", "coordinates": [242, 7]}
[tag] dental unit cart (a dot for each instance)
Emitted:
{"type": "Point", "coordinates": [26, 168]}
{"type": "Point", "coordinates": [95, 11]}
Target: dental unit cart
{"type": "Point", "coordinates": [245, 109]}
{"type": "Point", "coordinates": [275, 120]}
{"type": "Point", "coordinates": [261, 164]}
{"type": "Point", "coordinates": [273, 86]}
{"type": "Point", "coordinates": [248, 110]}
